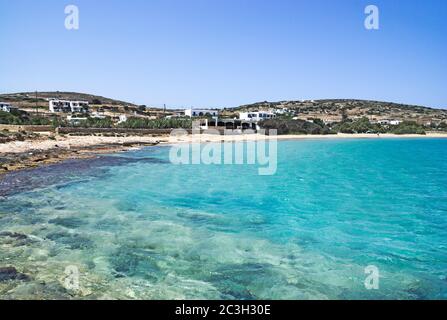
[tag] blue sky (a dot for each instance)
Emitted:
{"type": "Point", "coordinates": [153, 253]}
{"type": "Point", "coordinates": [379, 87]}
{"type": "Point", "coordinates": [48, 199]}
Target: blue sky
{"type": "Point", "coordinates": [223, 53]}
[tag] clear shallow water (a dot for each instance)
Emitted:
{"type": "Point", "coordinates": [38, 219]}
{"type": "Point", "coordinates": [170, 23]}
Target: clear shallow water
{"type": "Point", "coordinates": [137, 226]}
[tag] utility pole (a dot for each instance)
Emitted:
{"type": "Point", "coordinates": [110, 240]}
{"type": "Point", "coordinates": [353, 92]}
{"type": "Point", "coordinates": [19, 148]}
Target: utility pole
{"type": "Point", "coordinates": [164, 109]}
{"type": "Point", "coordinates": [37, 109]}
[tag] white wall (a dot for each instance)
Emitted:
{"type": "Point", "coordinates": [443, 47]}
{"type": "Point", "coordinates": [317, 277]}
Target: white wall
{"type": "Point", "coordinates": [256, 116]}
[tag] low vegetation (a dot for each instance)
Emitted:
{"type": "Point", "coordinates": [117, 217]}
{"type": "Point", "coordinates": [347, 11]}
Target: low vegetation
{"type": "Point", "coordinates": [6, 136]}
{"type": "Point", "coordinates": [21, 118]}
{"type": "Point", "coordinates": [333, 109]}
{"type": "Point", "coordinates": [439, 127]}
{"type": "Point", "coordinates": [88, 123]}
{"type": "Point", "coordinates": [362, 125]}
{"type": "Point", "coordinates": [142, 123]}
{"type": "Point", "coordinates": [408, 127]}
{"type": "Point", "coordinates": [286, 126]}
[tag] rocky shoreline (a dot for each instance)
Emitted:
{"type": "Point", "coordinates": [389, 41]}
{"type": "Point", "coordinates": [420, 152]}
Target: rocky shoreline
{"type": "Point", "coordinates": [32, 158]}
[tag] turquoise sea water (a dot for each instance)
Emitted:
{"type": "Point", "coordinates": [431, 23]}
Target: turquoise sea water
{"type": "Point", "coordinates": [138, 227]}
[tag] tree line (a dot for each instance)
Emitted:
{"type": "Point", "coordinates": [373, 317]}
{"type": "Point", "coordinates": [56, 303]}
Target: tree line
{"type": "Point", "coordinates": [362, 125]}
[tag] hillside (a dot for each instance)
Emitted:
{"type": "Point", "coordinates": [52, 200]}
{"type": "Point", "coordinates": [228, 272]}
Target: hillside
{"type": "Point", "coordinates": [24, 97]}
{"type": "Point", "coordinates": [329, 110]}
{"type": "Point", "coordinates": [27, 102]}
{"type": "Point", "coordinates": [336, 109]}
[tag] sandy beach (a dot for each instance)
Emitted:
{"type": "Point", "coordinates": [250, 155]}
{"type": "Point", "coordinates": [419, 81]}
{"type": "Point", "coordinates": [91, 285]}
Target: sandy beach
{"type": "Point", "coordinates": [69, 142]}
{"type": "Point", "coordinates": [254, 137]}
{"type": "Point", "coordinates": [17, 155]}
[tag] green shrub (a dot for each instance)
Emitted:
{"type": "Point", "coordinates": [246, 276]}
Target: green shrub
{"type": "Point", "coordinates": [362, 125]}
{"type": "Point", "coordinates": [143, 123]}
{"type": "Point", "coordinates": [408, 127]}
{"type": "Point", "coordinates": [284, 126]}
{"type": "Point", "coordinates": [9, 118]}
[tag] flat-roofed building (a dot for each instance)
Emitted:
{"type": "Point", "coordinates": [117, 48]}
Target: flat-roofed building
{"type": "Point", "coordinates": [201, 113]}
{"type": "Point", "coordinates": [257, 115]}
{"type": "Point", "coordinates": [68, 106]}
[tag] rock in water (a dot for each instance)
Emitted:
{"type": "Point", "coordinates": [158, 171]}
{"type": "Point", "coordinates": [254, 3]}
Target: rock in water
{"type": "Point", "coordinates": [10, 273]}
{"type": "Point", "coordinates": [15, 235]}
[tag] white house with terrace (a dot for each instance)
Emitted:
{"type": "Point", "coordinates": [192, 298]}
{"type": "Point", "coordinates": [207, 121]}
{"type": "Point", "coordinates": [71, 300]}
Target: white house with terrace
{"type": "Point", "coordinates": [256, 116]}
{"type": "Point", "coordinates": [68, 106]}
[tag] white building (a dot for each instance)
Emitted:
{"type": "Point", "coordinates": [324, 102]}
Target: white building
{"type": "Point", "coordinates": [122, 118]}
{"type": "Point", "coordinates": [98, 115]}
{"type": "Point", "coordinates": [389, 122]}
{"type": "Point", "coordinates": [68, 106]}
{"type": "Point", "coordinates": [59, 106]}
{"type": "Point", "coordinates": [79, 106]}
{"type": "Point", "coordinates": [256, 116]}
{"type": "Point", "coordinates": [201, 113]}
{"type": "Point", "coordinates": [75, 120]}
{"type": "Point", "coordinates": [6, 107]}
{"type": "Point", "coordinates": [281, 111]}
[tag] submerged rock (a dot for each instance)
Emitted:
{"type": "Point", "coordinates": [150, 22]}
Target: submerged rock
{"type": "Point", "coordinates": [63, 172]}
{"type": "Point", "coordinates": [244, 281]}
{"type": "Point", "coordinates": [68, 222]}
{"type": "Point", "coordinates": [73, 241]}
{"type": "Point", "coordinates": [134, 262]}
{"type": "Point", "coordinates": [15, 235]}
{"type": "Point", "coordinates": [42, 291]}
{"type": "Point", "coordinates": [11, 273]}
{"type": "Point", "coordinates": [14, 238]}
